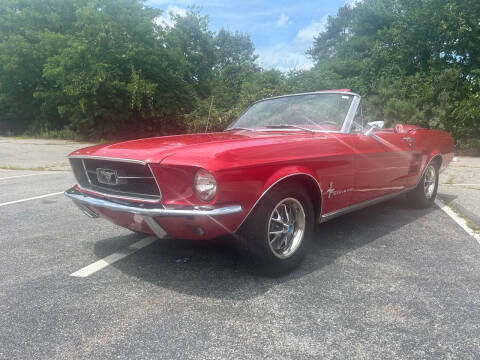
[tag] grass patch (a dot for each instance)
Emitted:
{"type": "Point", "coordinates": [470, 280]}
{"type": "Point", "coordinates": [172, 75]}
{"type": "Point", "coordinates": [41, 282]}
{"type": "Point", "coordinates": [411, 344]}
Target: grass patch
{"type": "Point", "coordinates": [20, 137]}
{"type": "Point", "coordinates": [45, 133]}
{"type": "Point", "coordinates": [471, 225]}
{"type": "Point", "coordinates": [469, 222]}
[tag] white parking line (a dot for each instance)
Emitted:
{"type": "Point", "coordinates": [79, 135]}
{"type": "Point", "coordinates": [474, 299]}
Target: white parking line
{"type": "Point", "coordinates": [19, 176]}
{"type": "Point", "coordinates": [457, 219]}
{"type": "Point", "coordinates": [454, 184]}
{"type": "Point", "coordinates": [110, 259]}
{"type": "Point", "coordinates": [32, 198]}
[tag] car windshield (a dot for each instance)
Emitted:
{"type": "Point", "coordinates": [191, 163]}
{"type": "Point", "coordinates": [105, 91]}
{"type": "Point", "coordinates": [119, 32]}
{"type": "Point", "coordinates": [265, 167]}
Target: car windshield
{"type": "Point", "coordinates": [322, 112]}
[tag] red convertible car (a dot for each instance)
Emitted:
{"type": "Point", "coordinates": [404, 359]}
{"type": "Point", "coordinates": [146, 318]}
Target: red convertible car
{"type": "Point", "coordinates": [287, 163]}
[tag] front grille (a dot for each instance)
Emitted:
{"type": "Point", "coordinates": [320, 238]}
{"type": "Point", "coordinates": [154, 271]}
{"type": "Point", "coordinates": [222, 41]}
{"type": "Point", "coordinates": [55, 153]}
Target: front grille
{"type": "Point", "coordinates": [124, 179]}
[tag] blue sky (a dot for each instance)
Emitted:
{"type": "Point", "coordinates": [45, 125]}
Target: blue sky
{"type": "Point", "coordinates": [280, 30]}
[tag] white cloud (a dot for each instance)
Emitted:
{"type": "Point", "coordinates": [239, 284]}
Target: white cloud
{"type": "Point", "coordinates": [352, 3]}
{"type": "Point", "coordinates": [283, 57]}
{"type": "Point", "coordinates": [165, 19]}
{"type": "Point", "coordinates": [159, 3]}
{"type": "Point", "coordinates": [289, 56]}
{"type": "Point", "coordinates": [282, 20]}
{"type": "Point", "coordinates": [305, 36]}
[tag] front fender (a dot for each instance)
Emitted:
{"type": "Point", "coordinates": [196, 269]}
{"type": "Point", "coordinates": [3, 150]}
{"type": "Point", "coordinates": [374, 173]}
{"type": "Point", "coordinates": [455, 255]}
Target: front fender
{"type": "Point", "coordinates": [258, 181]}
{"type": "Point", "coordinates": [286, 172]}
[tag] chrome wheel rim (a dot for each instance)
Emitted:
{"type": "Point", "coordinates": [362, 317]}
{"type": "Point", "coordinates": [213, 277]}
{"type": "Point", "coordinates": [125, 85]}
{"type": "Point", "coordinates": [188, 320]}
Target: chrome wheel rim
{"type": "Point", "coordinates": [429, 182]}
{"type": "Point", "coordinates": [286, 228]}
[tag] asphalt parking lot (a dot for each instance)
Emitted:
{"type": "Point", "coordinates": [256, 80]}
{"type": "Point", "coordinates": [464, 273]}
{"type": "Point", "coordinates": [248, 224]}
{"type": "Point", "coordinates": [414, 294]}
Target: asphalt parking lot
{"type": "Point", "coordinates": [386, 282]}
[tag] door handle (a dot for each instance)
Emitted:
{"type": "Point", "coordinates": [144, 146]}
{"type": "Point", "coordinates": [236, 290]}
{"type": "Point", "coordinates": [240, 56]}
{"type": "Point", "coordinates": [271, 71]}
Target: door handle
{"type": "Point", "coordinates": [408, 139]}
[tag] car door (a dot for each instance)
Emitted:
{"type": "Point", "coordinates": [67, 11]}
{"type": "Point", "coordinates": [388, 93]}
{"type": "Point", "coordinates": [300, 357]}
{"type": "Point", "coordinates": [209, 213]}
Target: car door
{"type": "Point", "coordinates": [334, 168]}
{"type": "Point", "coordinates": [382, 162]}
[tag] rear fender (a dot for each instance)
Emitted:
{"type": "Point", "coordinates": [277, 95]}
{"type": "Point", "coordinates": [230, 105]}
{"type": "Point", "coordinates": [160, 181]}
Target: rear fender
{"type": "Point", "coordinates": [437, 146]}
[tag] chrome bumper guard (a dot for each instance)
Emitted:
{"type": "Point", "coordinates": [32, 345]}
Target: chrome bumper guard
{"type": "Point", "coordinates": [83, 200]}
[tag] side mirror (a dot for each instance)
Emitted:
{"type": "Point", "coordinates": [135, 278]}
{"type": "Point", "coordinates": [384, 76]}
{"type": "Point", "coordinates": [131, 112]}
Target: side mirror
{"type": "Point", "coordinates": [374, 125]}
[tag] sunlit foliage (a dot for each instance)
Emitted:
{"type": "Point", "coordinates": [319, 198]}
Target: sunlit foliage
{"type": "Point", "coordinates": [112, 69]}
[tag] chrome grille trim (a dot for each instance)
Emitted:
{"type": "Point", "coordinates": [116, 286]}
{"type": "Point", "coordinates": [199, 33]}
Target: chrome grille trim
{"type": "Point", "coordinates": [86, 183]}
{"type": "Point", "coordinates": [156, 182]}
{"type": "Point", "coordinates": [107, 158]}
{"type": "Point", "coordinates": [119, 197]}
{"type": "Point", "coordinates": [86, 172]}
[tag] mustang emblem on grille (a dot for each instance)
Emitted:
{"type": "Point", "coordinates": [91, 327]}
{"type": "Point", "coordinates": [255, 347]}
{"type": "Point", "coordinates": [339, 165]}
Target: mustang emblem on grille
{"type": "Point", "coordinates": [107, 176]}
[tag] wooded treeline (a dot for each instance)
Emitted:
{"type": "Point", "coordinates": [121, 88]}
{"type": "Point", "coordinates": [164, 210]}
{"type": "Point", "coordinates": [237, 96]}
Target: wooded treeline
{"type": "Point", "coordinates": [109, 69]}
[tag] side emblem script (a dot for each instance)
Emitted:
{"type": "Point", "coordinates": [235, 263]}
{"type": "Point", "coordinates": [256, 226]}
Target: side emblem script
{"type": "Point", "coordinates": [107, 176]}
{"type": "Point", "coordinates": [331, 191]}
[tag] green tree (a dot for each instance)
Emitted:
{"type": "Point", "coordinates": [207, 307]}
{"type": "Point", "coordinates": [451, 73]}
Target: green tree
{"type": "Point", "coordinates": [415, 61]}
{"type": "Point", "coordinates": [111, 69]}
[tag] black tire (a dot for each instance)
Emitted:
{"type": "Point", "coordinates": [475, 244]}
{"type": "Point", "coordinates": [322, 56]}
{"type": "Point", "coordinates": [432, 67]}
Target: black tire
{"type": "Point", "coordinates": [254, 232]}
{"type": "Point", "coordinates": [420, 197]}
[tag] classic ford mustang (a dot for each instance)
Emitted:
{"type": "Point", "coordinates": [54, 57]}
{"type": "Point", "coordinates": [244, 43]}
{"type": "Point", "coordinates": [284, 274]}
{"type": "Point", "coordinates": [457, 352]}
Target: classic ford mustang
{"type": "Point", "coordinates": [287, 163]}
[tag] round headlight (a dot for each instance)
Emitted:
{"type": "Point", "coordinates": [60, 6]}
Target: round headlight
{"type": "Point", "coordinates": [205, 185]}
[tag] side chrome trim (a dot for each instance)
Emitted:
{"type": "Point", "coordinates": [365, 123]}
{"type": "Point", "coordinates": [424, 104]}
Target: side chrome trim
{"type": "Point", "coordinates": [361, 205]}
{"type": "Point", "coordinates": [106, 158]}
{"type": "Point", "coordinates": [275, 183]}
{"type": "Point", "coordinates": [380, 199]}
{"type": "Point", "coordinates": [81, 198]}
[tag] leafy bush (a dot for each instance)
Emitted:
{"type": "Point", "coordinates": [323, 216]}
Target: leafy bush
{"type": "Point", "coordinates": [109, 69]}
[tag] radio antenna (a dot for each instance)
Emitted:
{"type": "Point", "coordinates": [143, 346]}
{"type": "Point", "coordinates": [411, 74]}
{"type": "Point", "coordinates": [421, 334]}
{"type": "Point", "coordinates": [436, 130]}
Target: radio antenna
{"type": "Point", "coordinates": [208, 118]}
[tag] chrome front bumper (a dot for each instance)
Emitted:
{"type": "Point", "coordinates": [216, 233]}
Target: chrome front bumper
{"type": "Point", "coordinates": [88, 203]}
{"type": "Point", "coordinates": [82, 199]}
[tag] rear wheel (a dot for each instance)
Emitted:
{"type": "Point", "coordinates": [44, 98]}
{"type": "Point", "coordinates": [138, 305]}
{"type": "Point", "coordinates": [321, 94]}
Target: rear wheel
{"type": "Point", "coordinates": [424, 194]}
{"type": "Point", "coordinates": [279, 229]}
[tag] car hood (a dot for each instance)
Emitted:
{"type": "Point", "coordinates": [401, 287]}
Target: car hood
{"type": "Point", "coordinates": [196, 149]}
{"type": "Point", "coordinates": [157, 148]}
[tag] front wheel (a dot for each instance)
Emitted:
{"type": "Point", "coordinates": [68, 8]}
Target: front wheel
{"type": "Point", "coordinates": [424, 194]}
{"type": "Point", "coordinates": [279, 229]}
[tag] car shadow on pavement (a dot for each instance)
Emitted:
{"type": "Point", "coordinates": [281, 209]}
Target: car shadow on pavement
{"type": "Point", "coordinates": [446, 197]}
{"type": "Point", "coordinates": [215, 269]}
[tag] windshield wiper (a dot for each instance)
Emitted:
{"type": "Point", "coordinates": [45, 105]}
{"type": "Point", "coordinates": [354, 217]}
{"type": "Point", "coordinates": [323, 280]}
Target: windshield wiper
{"type": "Point", "coordinates": [283, 126]}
